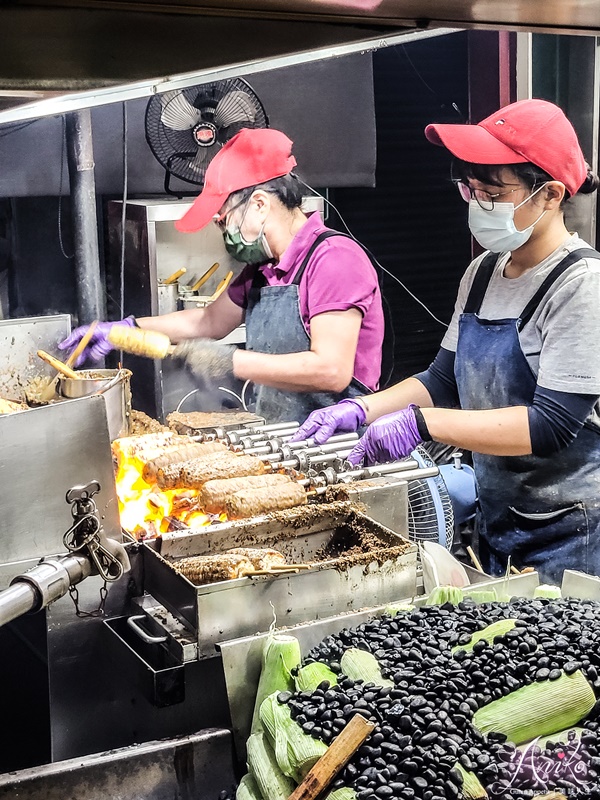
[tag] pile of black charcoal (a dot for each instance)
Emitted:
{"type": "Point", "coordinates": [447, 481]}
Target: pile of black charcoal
{"type": "Point", "coordinates": [424, 721]}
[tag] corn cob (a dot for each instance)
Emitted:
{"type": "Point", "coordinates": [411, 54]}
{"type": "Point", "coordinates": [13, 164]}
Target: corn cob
{"type": "Point", "coordinates": [172, 476]}
{"type": "Point", "coordinates": [131, 446]}
{"type": "Point", "coordinates": [472, 788]}
{"type": "Point", "coordinates": [281, 654]}
{"type": "Point", "coordinates": [539, 709]}
{"type": "Point", "coordinates": [310, 676]}
{"type": "Point", "coordinates": [260, 559]}
{"type": "Point", "coordinates": [271, 782]}
{"type": "Point", "coordinates": [220, 465]}
{"type": "Point", "coordinates": [296, 752]}
{"type": "Point", "coordinates": [489, 634]}
{"type": "Point", "coordinates": [180, 452]}
{"type": "Point", "coordinates": [251, 503]}
{"type": "Point", "coordinates": [210, 569]}
{"type": "Point", "coordinates": [247, 789]}
{"type": "Point", "coordinates": [139, 342]}
{"type": "Point", "coordinates": [360, 665]}
{"type": "Point", "coordinates": [214, 493]}
{"type": "Point", "coordinates": [547, 591]}
{"type": "Point", "coordinates": [445, 594]}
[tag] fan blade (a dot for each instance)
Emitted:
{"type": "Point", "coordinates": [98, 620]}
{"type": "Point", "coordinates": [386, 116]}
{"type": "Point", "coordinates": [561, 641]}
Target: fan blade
{"type": "Point", "coordinates": [201, 160]}
{"type": "Point", "coordinates": [235, 107]}
{"type": "Point", "coordinates": [178, 114]}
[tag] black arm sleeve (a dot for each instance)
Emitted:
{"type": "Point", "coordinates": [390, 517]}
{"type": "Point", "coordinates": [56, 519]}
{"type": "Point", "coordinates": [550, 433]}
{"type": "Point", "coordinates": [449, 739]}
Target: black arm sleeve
{"type": "Point", "coordinates": [439, 380]}
{"type": "Point", "coordinates": [555, 419]}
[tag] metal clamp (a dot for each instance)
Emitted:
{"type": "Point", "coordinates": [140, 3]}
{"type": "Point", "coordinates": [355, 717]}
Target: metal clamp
{"type": "Point", "coordinates": [86, 533]}
{"type": "Point", "coordinates": [132, 623]}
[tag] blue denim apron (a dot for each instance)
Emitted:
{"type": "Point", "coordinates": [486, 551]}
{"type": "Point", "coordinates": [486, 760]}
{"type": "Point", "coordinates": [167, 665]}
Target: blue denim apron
{"type": "Point", "coordinates": [543, 512]}
{"type": "Point", "coordinates": [274, 325]}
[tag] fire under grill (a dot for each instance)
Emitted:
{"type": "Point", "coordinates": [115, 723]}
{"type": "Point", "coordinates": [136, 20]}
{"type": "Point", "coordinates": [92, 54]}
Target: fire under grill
{"type": "Point", "coordinates": [157, 500]}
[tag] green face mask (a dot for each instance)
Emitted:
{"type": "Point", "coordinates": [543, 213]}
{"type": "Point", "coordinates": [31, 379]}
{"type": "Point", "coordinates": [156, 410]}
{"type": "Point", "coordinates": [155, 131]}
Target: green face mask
{"type": "Point", "coordinates": [256, 252]}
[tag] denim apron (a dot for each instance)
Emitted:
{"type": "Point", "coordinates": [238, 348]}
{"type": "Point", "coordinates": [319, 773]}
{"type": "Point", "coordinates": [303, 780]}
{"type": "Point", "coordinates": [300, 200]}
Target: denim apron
{"type": "Point", "coordinates": [274, 325]}
{"type": "Point", "coordinates": [543, 512]}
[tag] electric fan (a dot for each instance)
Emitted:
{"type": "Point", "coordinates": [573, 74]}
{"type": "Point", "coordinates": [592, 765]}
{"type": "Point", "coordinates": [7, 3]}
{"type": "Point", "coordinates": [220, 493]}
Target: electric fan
{"type": "Point", "coordinates": [186, 128]}
{"type": "Point", "coordinates": [435, 505]}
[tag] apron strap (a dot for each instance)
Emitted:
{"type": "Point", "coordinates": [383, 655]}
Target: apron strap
{"type": "Point", "coordinates": [320, 238]}
{"type": "Point", "coordinates": [480, 283]}
{"type": "Point", "coordinates": [559, 269]}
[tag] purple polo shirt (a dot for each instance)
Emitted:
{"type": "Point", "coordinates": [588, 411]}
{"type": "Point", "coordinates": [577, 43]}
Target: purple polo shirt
{"type": "Point", "coordinates": [338, 276]}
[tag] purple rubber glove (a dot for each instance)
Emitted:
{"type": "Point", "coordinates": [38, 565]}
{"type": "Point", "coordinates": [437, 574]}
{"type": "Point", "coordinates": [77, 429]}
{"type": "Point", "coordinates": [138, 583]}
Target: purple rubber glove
{"type": "Point", "coordinates": [345, 417]}
{"type": "Point", "coordinates": [389, 438]}
{"type": "Point", "coordinates": [98, 346]}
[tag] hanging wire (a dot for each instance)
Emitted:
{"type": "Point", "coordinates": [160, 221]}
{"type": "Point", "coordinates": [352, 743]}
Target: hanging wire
{"type": "Point", "coordinates": [379, 264]}
{"type": "Point", "coordinates": [123, 215]}
{"type": "Point", "coordinates": [63, 147]}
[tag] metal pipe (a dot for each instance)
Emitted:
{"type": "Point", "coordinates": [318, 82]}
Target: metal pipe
{"type": "Point", "coordinates": [80, 156]}
{"type": "Point", "coordinates": [40, 586]}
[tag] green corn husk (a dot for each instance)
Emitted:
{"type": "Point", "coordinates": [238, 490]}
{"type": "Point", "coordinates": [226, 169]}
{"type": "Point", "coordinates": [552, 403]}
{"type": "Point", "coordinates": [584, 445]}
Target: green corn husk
{"type": "Point", "coordinates": [481, 595]}
{"type": "Point", "coordinates": [296, 753]}
{"type": "Point", "coordinates": [272, 783]}
{"type": "Point", "coordinates": [343, 793]}
{"type": "Point", "coordinates": [445, 594]}
{"type": "Point", "coordinates": [311, 675]}
{"type": "Point", "coordinates": [247, 789]}
{"type": "Point", "coordinates": [281, 655]}
{"type": "Point", "coordinates": [539, 709]}
{"type": "Point", "coordinates": [548, 591]}
{"type": "Point", "coordinates": [360, 665]}
{"type": "Point", "coordinates": [562, 737]}
{"type": "Point", "coordinates": [398, 608]}
{"type": "Point", "coordinates": [472, 788]}
{"type": "Point", "coordinates": [489, 634]}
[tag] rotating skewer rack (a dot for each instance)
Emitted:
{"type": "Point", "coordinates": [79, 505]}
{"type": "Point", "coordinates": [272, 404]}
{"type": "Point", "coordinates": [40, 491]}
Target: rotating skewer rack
{"type": "Point", "coordinates": [322, 465]}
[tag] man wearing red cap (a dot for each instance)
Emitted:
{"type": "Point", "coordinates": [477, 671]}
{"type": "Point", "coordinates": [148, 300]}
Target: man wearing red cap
{"type": "Point", "coordinates": [517, 378]}
{"type": "Point", "coordinates": [309, 296]}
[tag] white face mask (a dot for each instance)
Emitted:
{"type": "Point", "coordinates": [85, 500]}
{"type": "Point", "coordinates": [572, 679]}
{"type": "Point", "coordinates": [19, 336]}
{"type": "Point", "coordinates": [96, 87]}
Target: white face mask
{"type": "Point", "coordinates": [495, 230]}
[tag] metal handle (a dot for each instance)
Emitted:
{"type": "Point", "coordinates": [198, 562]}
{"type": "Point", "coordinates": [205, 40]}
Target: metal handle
{"type": "Point", "coordinates": [131, 622]}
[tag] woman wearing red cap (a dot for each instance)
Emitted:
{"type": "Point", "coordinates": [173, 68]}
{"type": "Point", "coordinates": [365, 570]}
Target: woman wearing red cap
{"type": "Point", "coordinates": [309, 296]}
{"type": "Point", "coordinates": [517, 378]}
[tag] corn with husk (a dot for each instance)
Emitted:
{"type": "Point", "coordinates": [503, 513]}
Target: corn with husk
{"type": "Point", "coordinates": [248, 789]}
{"type": "Point", "coordinates": [481, 595]}
{"type": "Point", "coordinates": [398, 608]}
{"type": "Point", "coordinates": [361, 665]}
{"type": "Point", "coordinates": [472, 788]}
{"type": "Point", "coordinates": [296, 752]}
{"type": "Point", "coordinates": [281, 654]}
{"type": "Point", "coordinates": [272, 783]}
{"type": "Point", "coordinates": [547, 591]}
{"type": "Point", "coordinates": [445, 594]}
{"type": "Point", "coordinates": [311, 675]}
{"type": "Point", "coordinates": [488, 634]}
{"type": "Point", "coordinates": [539, 709]}
{"type": "Point", "coordinates": [343, 793]}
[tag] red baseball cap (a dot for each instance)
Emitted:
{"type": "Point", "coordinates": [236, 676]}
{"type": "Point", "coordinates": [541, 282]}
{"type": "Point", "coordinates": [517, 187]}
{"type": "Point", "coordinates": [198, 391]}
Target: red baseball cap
{"type": "Point", "coordinates": [252, 156]}
{"type": "Point", "coordinates": [532, 131]}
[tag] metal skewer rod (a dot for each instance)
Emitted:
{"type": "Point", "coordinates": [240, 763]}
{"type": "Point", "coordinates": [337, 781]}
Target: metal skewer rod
{"type": "Point", "coordinates": [266, 447]}
{"type": "Point", "coordinates": [406, 475]}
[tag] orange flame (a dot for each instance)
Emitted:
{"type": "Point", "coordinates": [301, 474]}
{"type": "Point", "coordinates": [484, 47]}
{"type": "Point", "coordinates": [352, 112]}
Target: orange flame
{"type": "Point", "coordinates": [147, 511]}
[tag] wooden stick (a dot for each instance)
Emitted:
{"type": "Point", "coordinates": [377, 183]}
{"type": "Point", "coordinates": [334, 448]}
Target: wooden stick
{"type": "Point", "coordinates": [174, 277]}
{"type": "Point", "coordinates": [85, 339]}
{"type": "Point", "coordinates": [474, 559]}
{"type": "Point", "coordinates": [221, 287]}
{"type": "Point", "coordinates": [252, 573]}
{"type": "Point", "coordinates": [209, 272]}
{"type": "Point", "coordinates": [291, 566]}
{"type": "Point", "coordinates": [58, 365]}
{"type": "Point", "coordinates": [337, 756]}
{"type": "Point", "coordinates": [514, 570]}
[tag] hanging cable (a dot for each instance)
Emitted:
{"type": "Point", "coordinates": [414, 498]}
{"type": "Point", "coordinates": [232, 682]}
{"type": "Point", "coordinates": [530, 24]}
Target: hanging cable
{"type": "Point", "coordinates": [123, 215]}
{"type": "Point", "coordinates": [376, 261]}
{"type": "Point", "coordinates": [63, 147]}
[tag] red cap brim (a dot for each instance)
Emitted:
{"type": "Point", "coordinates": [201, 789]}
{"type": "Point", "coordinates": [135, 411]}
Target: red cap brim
{"type": "Point", "coordinates": [472, 143]}
{"type": "Point", "coordinates": [203, 209]}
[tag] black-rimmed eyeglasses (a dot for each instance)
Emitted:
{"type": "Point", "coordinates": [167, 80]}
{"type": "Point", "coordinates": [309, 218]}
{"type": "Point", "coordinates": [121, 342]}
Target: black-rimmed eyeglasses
{"type": "Point", "coordinates": [484, 199]}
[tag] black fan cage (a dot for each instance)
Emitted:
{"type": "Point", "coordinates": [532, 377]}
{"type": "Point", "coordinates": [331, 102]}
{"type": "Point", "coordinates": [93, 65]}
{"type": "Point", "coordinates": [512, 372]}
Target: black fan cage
{"type": "Point", "coordinates": [186, 128]}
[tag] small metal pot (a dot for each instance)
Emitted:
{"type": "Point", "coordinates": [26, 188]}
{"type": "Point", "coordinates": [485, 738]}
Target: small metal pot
{"type": "Point", "coordinates": [168, 294]}
{"type": "Point", "coordinates": [117, 397]}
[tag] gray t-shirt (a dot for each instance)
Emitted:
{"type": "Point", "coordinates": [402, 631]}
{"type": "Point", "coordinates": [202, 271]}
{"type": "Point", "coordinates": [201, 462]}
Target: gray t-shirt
{"type": "Point", "coordinates": [562, 340]}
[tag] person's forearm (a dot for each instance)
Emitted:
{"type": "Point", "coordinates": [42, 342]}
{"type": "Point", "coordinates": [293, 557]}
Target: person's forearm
{"type": "Point", "coordinates": [497, 432]}
{"type": "Point", "coordinates": [294, 372]}
{"type": "Point", "coordinates": [397, 397]}
{"type": "Point", "coordinates": [179, 325]}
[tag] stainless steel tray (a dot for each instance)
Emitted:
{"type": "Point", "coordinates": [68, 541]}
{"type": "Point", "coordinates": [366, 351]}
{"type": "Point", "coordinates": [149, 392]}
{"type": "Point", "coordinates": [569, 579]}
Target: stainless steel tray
{"type": "Point", "coordinates": [245, 606]}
